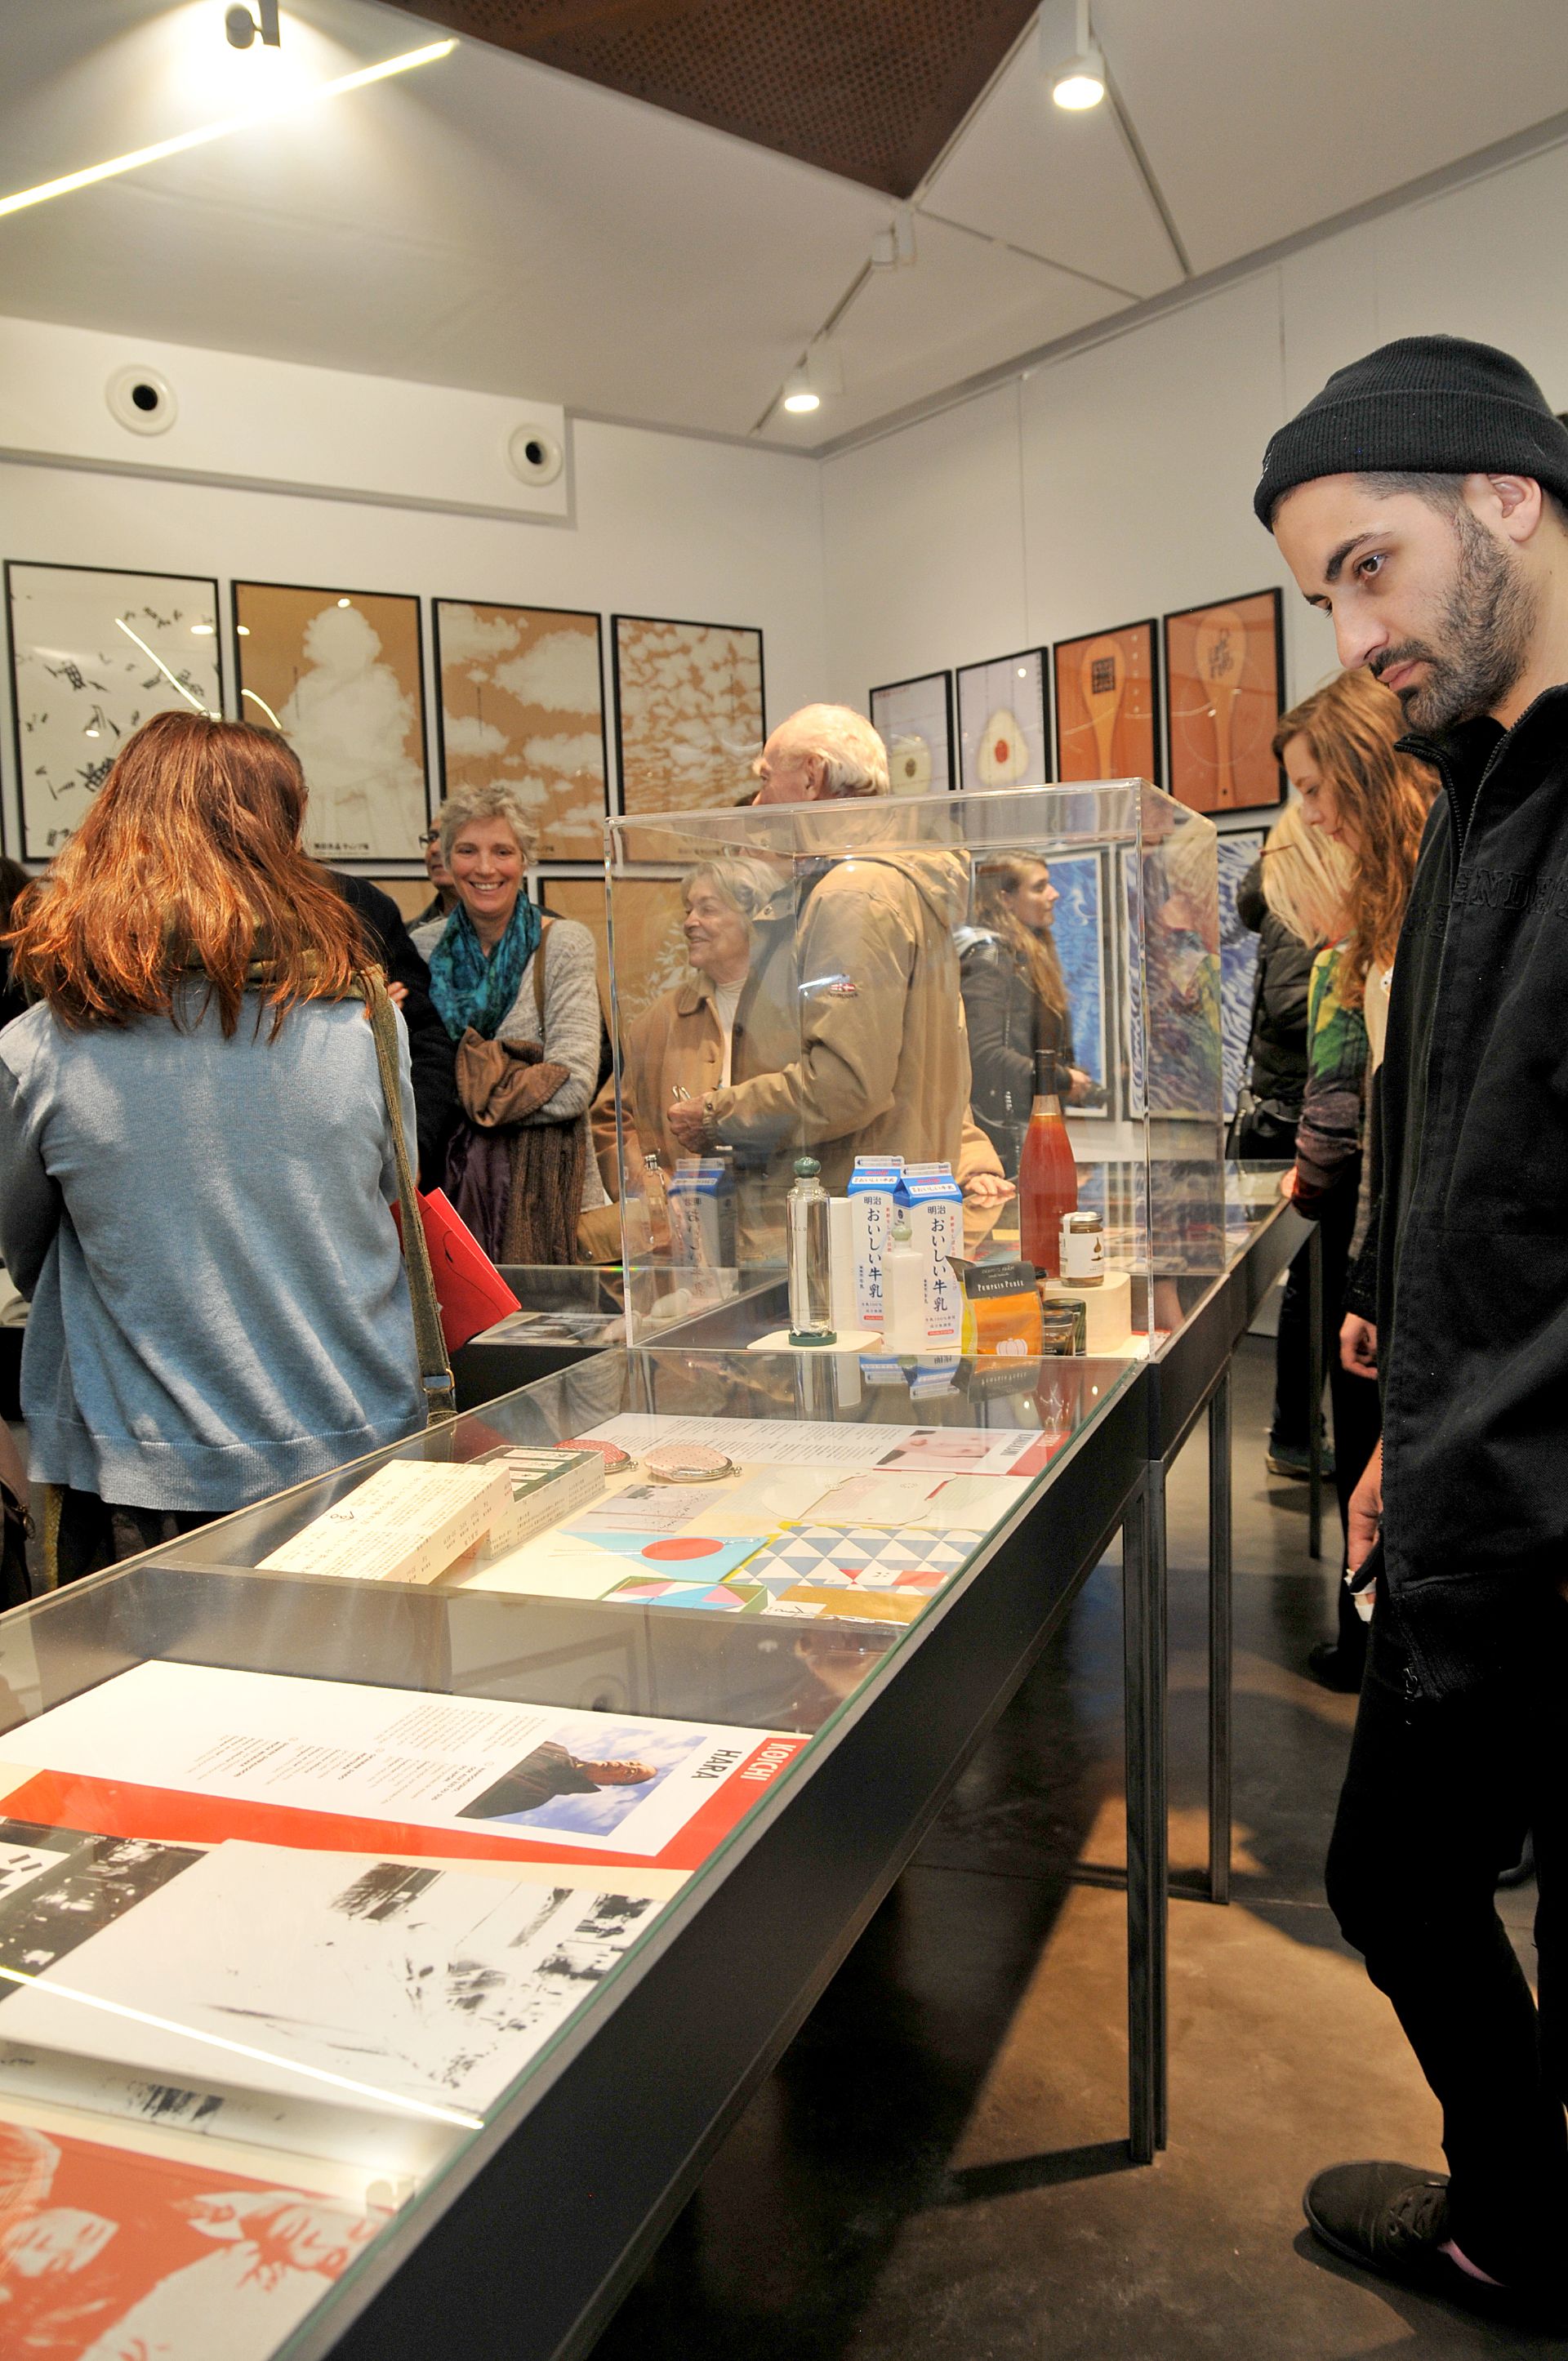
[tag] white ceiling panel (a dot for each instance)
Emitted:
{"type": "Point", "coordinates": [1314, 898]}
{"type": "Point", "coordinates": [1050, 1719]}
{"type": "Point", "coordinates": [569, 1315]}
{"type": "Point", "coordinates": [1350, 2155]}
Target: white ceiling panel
{"type": "Point", "coordinates": [485, 223]}
{"type": "Point", "coordinates": [1061, 186]}
{"type": "Point", "coordinates": [1263, 117]}
{"type": "Point", "coordinates": [490, 223]}
{"type": "Point", "coordinates": [964, 305]}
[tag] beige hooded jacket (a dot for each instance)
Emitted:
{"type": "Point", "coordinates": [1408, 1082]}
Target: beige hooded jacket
{"type": "Point", "coordinates": [856, 1035]}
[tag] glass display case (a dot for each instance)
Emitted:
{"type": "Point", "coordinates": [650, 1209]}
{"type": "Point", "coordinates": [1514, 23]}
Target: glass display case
{"type": "Point", "coordinates": [328, 1824]}
{"type": "Point", "coordinates": [1020, 989]}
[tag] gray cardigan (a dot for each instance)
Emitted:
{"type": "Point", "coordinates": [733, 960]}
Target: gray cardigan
{"type": "Point", "coordinates": [571, 1024]}
{"type": "Point", "coordinates": [219, 1304]}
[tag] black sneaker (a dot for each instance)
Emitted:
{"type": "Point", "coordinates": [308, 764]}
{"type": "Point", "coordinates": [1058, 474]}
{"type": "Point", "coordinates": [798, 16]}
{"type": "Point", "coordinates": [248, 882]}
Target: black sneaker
{"type": "Point", "coordinates": [1333, 1669]}
{"type": "Point", "coordinates": [1293, 1459]}
{"type": "Point", "coordinates": [1393, 2219]}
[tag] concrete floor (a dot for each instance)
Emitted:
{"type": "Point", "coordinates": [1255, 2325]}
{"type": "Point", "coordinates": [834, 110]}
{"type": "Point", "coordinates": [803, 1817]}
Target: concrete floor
{"type": "Point", "coordinates": [938, 2171]}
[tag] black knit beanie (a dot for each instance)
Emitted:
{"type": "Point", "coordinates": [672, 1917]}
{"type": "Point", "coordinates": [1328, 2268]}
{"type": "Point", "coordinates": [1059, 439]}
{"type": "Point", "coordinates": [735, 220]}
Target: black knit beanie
{"type": "Point", "coordinates": [1436, 405]}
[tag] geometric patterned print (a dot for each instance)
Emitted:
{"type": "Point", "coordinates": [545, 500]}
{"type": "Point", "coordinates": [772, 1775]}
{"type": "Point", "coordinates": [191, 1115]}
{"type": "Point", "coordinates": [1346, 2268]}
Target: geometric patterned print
{"type": "Point", "coordinates": [866, 1557]}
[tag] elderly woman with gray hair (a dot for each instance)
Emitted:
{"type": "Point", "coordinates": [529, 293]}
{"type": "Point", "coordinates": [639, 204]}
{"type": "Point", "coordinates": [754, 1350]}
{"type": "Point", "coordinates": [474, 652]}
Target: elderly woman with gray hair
{"type": "Point", "coordinates": [711, 1029]}
{"type": "Point", "coordinates": [519, 993]}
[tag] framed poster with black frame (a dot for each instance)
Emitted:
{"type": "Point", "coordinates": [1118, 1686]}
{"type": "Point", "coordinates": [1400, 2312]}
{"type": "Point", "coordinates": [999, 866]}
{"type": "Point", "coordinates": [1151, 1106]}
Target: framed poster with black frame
{"type": "Point", "coordinates": [1224, 694]}
{"type": "Point", "coordinates": [1079, 929]}
{"type": "Point", "coordinates": [1004, 721]}
{"type": "Point", "coordinates": [1107, 705]}
{"type": "Point", "coordinates": [341, 674]}
{"type": "Point", "coordinates": [519, 704]}
{"type": "Point", "coordinates": [689, 712]}
{"type": "Point", "coordinates": [914, 718]}
{"type": "Point", "coordinates": [95, 651]}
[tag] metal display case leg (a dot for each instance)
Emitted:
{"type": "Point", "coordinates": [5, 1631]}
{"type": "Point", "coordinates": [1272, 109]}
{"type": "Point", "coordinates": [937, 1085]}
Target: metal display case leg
{"type": "Point", "coordinates": [1315, 1391]}
{"type": "Point", "coordinates": [1221, 1631]}
{"type": "Point", "coordinates": [1143, 1628]}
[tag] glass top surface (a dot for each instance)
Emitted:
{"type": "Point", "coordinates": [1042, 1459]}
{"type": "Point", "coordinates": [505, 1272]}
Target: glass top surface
{"type": "Point", "coordinates": [308, 1869]}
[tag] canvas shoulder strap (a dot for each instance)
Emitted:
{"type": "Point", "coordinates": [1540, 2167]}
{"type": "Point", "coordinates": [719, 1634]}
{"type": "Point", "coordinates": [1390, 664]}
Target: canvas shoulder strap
{"type": "Point", "coordinates": [435, 1369]}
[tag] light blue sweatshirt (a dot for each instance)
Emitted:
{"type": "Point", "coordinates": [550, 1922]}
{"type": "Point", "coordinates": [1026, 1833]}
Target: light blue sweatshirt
{"type": "Point", "coordinates": [219, 1307]}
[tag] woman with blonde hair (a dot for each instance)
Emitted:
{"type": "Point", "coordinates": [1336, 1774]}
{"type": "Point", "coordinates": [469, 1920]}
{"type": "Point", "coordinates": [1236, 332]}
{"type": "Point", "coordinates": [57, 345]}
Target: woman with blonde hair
{"type": "Point", "coordinates": [196, 1157]}
{"type": "Point", "coordinates": [1340, 750]}
{"type": "Point", "coordinates": [1014, 999]}
{"type": "Point", "coordinates": [519, 993]}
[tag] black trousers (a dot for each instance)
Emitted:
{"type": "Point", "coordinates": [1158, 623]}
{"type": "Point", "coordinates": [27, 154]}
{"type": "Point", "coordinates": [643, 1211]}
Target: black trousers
{"type": "Point", "coordinates": [1436, 1802]}
{"type": "Point", "coordinates": [95, 1533]}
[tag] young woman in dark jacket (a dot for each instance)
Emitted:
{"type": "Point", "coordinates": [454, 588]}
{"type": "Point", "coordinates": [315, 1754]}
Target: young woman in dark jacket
{"type": "Point", "coordinates": [1277, 1072]}
{"type": "Point", "coordinates": [1014, 1000]}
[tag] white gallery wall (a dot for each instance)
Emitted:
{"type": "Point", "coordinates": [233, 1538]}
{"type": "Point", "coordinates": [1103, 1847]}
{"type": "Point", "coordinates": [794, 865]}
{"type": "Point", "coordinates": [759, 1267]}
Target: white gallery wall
{"type": "Point", "coordinates": [1116, 482]}
{"type": "Point", "coordinates": [661, 524]}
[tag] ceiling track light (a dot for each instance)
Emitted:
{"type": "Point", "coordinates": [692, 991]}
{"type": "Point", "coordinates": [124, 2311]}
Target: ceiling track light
{"type": "Point", "coordinates": [820, 372]}
{"type": "Point", "coordinates": [241, 27]}
{"type": "Point", "coordinates": [1077, 83]}
{"type": "Point", "coordinates": [893, 248]}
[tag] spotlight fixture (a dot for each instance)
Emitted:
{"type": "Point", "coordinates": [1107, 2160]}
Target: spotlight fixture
{"type": "Point", "coordinates": [821, 371]}
{"type": "Point", "coordinates": [799, 394]}
{"type": "Point", "coordinates": [241, 27]}
{"type": "Point", "coordinates": [1080, 82]}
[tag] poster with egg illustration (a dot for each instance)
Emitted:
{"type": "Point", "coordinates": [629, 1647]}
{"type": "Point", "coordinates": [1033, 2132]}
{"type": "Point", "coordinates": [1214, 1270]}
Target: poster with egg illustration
{"type": "Point", "coordinates": [914, 718]}
{"type": "Point", "coordinates": [1004, 731]}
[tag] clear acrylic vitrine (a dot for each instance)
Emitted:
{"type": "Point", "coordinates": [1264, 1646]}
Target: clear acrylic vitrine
{"type": "Point", "coordinates": [853, 981]}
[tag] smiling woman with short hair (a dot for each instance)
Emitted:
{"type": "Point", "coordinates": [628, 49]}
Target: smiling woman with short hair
{"type": "Point", "coordinates": [519, 993]}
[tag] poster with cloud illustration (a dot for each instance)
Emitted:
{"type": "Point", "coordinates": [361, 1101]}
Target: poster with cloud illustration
{"type": "Point", "coordinates": [341, 672]}
{"type": "Point", "coordinates": [95, 651]}
{"type": "Point", "coordinates": [688, 712]}
{"type": "Point", "coordinates": [521, 706]}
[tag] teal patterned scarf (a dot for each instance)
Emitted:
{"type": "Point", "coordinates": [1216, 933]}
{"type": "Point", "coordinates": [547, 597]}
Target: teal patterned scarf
{"type": "Point", "coordinates": [469, 989]}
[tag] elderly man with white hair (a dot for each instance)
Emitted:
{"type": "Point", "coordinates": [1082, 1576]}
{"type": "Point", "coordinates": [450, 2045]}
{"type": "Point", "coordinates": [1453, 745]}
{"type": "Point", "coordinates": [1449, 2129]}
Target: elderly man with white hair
{"type": "Point", "coordinates": [868, 983]}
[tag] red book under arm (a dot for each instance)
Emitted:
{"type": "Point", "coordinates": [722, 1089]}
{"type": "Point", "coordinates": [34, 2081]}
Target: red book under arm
{"type": "Point", "coordinates": [469, 1289]}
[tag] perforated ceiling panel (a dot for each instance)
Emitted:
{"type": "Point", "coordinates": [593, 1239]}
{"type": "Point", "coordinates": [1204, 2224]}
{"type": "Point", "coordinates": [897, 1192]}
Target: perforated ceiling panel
{"type": "Point", "coordinates": [870, 89]}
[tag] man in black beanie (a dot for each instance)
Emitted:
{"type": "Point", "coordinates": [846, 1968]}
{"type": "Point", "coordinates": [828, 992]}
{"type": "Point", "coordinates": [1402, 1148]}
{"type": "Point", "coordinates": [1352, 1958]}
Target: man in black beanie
{"type": "Point", "coordinates": [1422, 501]}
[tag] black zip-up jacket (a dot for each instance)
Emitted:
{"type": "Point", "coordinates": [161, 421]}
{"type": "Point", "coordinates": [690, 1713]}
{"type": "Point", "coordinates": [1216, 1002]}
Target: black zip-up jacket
{"type": "Point", "coordinates": [1277, 1049]}
{"type": "Point", "coordinates": [1472, 1256]}
{"type": "Point", "coordinates": [1007, 1023]}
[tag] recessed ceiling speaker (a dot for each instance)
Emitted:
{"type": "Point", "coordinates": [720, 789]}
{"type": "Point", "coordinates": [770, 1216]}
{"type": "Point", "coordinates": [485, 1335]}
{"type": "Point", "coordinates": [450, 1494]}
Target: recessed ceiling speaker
{"type": "Point", "coordinates": [534, 454]}
{"type": "Point", "coordinates": [143, 399]}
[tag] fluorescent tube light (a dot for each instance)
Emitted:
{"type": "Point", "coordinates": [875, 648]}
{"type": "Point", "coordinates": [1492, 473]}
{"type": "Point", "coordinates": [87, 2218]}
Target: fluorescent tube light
{"type": "Point", "coordinates": [207, 132]}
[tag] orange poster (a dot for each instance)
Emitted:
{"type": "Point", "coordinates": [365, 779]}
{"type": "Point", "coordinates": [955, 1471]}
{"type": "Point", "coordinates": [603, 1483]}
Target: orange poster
{"type": "Point", "coordinates": [1107, 687]}
{"type": "Point", "coordinates": [1224, 694]}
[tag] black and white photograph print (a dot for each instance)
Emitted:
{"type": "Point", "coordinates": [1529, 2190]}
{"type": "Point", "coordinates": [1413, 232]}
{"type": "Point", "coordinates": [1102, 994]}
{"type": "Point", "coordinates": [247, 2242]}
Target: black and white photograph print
{"type": "Point", "coordinates": [95, 651]}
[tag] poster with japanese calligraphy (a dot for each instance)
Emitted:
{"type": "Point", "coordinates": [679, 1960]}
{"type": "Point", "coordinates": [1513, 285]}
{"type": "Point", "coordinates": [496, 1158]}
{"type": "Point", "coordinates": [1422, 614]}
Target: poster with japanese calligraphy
{"type": "Point", "coordinates": [95, 651]}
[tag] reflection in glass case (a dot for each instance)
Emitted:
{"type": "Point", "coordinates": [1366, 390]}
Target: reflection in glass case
{"type": "Point", "coordinates": [314, 1852]}
{"type": "Point", "coordinates": [975, 1015]}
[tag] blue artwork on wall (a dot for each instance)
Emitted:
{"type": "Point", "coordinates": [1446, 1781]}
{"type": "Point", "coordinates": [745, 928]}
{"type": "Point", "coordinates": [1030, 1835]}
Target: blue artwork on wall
{"type": "Point", "coordinates": [1077, 923]}
{"type": "Point", "coordinates": [1238, 958]}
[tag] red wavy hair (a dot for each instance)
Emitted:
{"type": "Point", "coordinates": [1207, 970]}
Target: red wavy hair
{"type": "Point", "coordinates": [189, 859]}
{"type": "Point", "coordinates": [1352, 726]}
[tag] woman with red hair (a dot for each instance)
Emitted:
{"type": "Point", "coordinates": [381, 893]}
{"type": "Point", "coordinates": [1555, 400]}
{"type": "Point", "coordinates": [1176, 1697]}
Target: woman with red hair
{"type": "Point", "coordinates": [196, 1159]}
